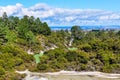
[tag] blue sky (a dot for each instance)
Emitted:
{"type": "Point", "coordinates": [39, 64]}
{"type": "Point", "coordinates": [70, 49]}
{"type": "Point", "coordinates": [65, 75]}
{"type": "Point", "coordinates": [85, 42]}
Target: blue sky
{"type": "Point", "coordinates": [113, 5]}
{"type": "Point", "coordinates": [66, 12]}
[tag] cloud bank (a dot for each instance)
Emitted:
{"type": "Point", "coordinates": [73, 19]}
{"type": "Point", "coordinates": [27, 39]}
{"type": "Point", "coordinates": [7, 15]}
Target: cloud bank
{"type": "Point", "coordinates": [61, 16]}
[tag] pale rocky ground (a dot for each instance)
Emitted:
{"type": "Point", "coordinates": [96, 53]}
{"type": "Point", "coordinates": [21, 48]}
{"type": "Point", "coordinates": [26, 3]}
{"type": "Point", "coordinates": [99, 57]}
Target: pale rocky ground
{"type": "Point", "coordinates": [69, 75]}
{"type": "Point", "coordinates": [77, 77]}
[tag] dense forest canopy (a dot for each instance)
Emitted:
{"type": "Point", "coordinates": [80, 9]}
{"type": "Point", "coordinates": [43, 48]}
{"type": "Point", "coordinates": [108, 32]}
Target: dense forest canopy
{"type": "Point", "coordinates": [95, 50]}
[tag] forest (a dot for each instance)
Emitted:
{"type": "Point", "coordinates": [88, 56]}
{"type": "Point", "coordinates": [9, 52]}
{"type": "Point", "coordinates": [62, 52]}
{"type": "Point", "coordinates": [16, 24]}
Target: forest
{"type": "Point", "coordinates": [94, 50]}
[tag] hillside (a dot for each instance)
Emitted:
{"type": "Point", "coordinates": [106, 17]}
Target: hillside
{"type": "Point", "coordinates": [78, 50]}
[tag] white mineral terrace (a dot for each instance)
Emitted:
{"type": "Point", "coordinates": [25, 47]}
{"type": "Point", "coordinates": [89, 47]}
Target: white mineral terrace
{"type": "Point", "coordinates": [43, 76]}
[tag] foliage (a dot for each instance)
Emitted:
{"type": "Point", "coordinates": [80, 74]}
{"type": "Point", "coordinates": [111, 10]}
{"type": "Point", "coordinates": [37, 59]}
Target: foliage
{"type": "Point", "coordinates": [2, 71]}
{"type": "Point", "coordinates": [95, 50]}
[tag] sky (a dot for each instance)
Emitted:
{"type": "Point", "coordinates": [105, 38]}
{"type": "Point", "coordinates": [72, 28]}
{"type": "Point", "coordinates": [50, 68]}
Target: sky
{"type": "Point", "coordinates": [66, 12]}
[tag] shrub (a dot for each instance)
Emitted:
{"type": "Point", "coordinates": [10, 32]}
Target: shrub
{"type": "Point", "coordinates": [2, 71]}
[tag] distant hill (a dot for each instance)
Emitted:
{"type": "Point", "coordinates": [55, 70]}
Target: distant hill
{"type": "Point", "coordinates": [111, 27]}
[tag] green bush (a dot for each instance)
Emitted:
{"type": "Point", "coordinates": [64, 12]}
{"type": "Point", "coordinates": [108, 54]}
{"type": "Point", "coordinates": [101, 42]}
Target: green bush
{"type": "Point", "coordinates": [72, 56]}
{"type": "Point", "coordinates": [42, 67]}
{"type": "Point", "coordinates": [2, 71]}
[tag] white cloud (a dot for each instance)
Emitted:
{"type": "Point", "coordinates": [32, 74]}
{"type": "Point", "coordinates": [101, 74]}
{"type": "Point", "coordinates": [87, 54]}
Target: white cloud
{"type": "Point", "coordinates": [60, 16]}
{"type": "Point", "coordinates": [40, 6]}
{"type": "Point", "coordinates": [110, 17]}
{"type": "Point", "coordinates": [11, 9]}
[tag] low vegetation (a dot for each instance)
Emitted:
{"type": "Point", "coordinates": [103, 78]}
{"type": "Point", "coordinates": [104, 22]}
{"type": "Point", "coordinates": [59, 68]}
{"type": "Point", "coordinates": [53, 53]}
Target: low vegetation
{"type": "Point", "coordinates": [95, 50]}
